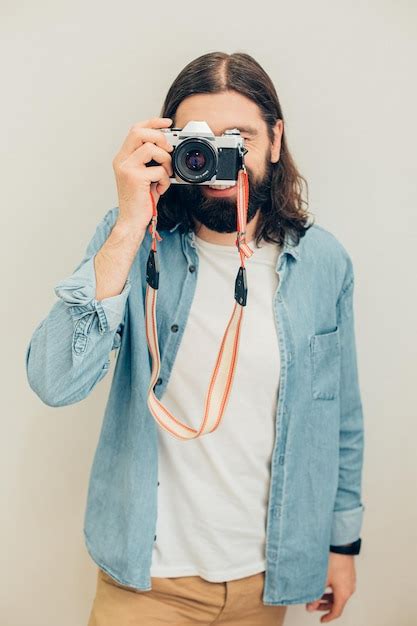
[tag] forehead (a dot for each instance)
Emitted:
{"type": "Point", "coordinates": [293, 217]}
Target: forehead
{"type": "Point", "coordinates": [221, 111]}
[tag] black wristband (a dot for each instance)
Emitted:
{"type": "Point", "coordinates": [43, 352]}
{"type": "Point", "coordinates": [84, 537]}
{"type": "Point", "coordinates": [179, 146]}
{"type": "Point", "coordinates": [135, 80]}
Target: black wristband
{"type": "Point", "coordinates": [353, 548]}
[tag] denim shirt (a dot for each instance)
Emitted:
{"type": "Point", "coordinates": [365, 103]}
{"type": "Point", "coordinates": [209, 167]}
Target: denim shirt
{"type": "Point", "coordinates": [316, 466]}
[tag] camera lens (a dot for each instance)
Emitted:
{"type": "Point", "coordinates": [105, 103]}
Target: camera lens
{"type": "Point", "coordinates": [195, 160]}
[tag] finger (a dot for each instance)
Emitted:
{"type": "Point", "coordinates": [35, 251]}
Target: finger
{"type": "Point", "coordinates": [155, 174]}
{"type": "Point", "coordinates": [153, 122]}
{"type": "Point", "coordinates": [162, 181]}
{"type": "Point", "coordinates": [144, 131]}
{"type": "Point", "coordinates": [312, 606]}
{"type": "Point", "coordinates": [336, 610]}
{"type": "Point", "coordinates": [148, 152]}
{"type": "Point", "coordinates": [318, 604]}
{"type": "Point", "coordinates": [138, 136]}
{"type": "Point", "coordinates": [163, 185]}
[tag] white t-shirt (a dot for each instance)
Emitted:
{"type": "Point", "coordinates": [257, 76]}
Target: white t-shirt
{"type": "Point", "coordinates": [214, 490]}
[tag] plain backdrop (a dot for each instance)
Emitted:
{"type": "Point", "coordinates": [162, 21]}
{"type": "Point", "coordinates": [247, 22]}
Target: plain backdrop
{"type": "Point", "coordinates": [74, 77]}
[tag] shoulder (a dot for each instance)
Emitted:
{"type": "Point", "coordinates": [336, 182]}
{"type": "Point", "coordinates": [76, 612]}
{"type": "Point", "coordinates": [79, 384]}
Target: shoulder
{"type": "Point", "coordinates": [319, 239]}
{"type": "Point", "coordinates": [321, 249]}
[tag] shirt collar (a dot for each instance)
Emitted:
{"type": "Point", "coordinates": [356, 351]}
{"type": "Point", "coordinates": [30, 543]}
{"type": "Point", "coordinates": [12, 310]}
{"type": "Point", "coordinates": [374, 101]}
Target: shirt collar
{"type": "Point", "coordinates": [289, 246]}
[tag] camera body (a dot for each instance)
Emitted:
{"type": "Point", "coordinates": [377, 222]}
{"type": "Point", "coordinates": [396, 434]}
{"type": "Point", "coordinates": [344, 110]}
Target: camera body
{"type": "Point", "coordinates": [201, 158]}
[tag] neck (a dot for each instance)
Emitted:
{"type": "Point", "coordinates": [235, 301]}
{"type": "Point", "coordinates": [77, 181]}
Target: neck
{"type": "Point", "coordinates": [225, 239]}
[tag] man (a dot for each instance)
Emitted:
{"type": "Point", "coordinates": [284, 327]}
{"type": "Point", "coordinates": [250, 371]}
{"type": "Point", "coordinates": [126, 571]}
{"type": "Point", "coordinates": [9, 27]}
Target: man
{"type": "Point", "coordinates": [265, 511]}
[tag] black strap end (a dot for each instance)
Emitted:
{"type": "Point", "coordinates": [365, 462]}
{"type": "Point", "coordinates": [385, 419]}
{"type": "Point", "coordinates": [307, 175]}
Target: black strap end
{"type": "Point", "coordinates": [241, 287]}
{"type": "Point", "coordinates": [152, 270]}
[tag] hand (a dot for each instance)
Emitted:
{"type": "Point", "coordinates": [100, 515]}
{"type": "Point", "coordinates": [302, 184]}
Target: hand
{"type": "Point", "coordinates": [341, 577]}
{"type": "Point", "coordinates": [135, 180]}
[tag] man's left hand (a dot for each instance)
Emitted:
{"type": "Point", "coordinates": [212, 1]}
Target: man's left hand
{"type": "Point", "coordinates": [341, 577]}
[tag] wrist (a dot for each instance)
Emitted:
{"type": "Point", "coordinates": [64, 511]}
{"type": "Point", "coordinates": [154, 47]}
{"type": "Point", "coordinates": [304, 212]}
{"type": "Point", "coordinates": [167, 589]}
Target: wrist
{"type": "Point", "coordinates": [128, 230]}
{"type": "Point", "coordinates": [351, 548]}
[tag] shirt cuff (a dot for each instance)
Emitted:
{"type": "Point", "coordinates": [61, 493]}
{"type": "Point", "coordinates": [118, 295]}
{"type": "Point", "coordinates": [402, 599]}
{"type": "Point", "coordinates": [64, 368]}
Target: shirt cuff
{"type": "Point", "coordinates": [78, 292]}
{"type": "Point", "coordinates": [346, 526]}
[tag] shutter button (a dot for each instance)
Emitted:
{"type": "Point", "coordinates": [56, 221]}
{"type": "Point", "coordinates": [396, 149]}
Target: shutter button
{"type": "Point", "coordinates": [174, 328]}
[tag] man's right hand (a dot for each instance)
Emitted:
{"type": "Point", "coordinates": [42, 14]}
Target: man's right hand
{"type": "Point", "coordinates": [134, 179]}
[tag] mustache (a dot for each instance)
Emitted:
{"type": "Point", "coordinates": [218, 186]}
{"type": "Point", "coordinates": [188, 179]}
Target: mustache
{"type": "Point", "coordinates": [259, 191]}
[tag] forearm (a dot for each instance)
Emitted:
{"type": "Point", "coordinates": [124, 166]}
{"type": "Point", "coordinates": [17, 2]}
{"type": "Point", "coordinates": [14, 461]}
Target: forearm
{"type": "Point", "coordinates": [69, 351]}
{"type": "Point", "coordinates": [113, 261]}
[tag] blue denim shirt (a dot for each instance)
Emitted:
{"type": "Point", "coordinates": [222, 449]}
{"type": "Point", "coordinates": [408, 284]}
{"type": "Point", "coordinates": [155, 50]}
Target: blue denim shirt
{"type": "Point", "coordinates": [316, 467]}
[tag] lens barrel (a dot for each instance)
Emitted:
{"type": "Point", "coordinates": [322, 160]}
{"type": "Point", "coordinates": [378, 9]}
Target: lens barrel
{"type": "Point", "coordinates": [195, 160]}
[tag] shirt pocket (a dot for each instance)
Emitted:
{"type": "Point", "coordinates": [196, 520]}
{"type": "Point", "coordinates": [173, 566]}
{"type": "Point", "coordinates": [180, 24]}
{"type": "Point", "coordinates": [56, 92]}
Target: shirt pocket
{"type": "Point", "coordinates": [325, 365]}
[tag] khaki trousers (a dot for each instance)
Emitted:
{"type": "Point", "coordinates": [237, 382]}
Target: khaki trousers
{"type": "Point", "coordinates": [183, 601]}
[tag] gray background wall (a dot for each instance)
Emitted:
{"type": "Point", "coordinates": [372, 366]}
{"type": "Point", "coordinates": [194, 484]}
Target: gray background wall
{"type": "Point", "coordinates": [75, 77]}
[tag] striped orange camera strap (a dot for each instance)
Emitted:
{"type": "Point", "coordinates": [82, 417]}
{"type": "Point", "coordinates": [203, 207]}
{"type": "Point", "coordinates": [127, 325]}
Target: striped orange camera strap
{"type": "Point", "coordinates": [222, 378]}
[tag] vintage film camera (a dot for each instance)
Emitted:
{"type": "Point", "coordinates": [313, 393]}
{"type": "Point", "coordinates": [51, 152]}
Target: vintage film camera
{"type": "Point", "coordinates": [201, 158]}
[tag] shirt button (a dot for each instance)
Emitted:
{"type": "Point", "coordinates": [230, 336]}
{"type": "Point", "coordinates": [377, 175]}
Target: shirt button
{"type": "Point", "coordinates": [154, 538]}
{"type": "Point", "coordinates": [158, 381]}
{"type": "Point", "coordinates": [191, 268]}
{"type": "Point", "coordinates": [174, 328]}
{"type": "Point", "coordinates": [158, 483]}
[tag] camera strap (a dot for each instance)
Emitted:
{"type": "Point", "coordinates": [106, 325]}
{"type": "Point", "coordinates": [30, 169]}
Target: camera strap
{"type": "Point", "coordinates": [222, 378]}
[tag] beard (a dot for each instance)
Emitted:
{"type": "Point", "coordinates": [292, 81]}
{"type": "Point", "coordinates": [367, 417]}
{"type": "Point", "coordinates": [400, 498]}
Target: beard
{"type": "Point", "coordinates": [220, 214]}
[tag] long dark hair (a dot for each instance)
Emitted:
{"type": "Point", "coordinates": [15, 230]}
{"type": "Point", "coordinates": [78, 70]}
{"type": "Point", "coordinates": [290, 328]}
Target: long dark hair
{"type": "Point", "coordinates": [216, 72]}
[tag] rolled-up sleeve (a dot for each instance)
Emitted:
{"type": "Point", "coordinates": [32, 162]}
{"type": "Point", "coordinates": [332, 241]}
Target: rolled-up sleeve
{"type": "Point", "coordinates": [78, 293]}
{"type": "Point", "coordinates": [349, 508]}
{"type": "Point", "coordinates": [68, 353]}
